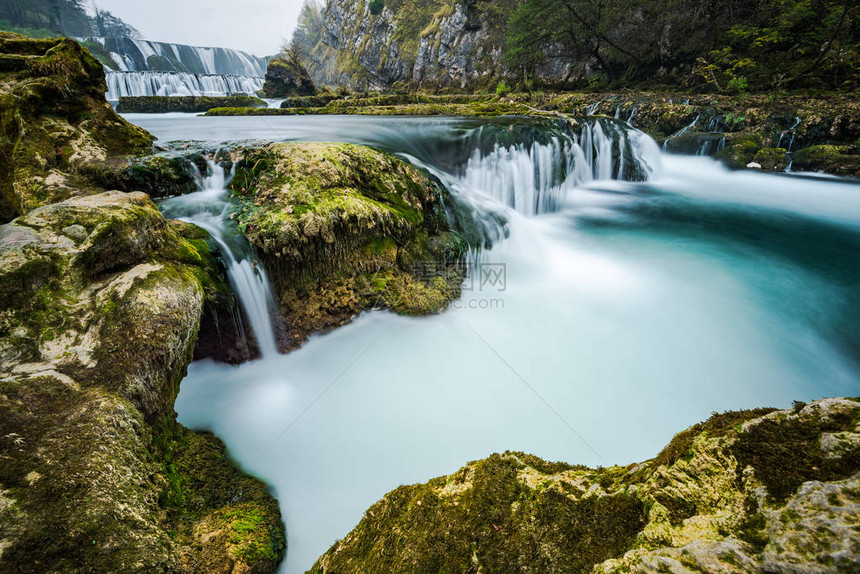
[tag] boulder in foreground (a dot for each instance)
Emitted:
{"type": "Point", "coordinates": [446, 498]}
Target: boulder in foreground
{"type": "Point", "coordinates": [750, 491]}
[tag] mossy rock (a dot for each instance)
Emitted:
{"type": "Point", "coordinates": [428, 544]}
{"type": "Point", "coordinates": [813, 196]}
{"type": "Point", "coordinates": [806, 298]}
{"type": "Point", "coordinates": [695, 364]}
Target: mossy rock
{"type": "Point", "coordinates": [771, 159]}
{"type": "Point", "coordinates": [54, 120]}
{"type": "Point", "coordinates": [736, 493]}
{"type": "Point", "coordinates": [740, 150]}
{"type": "Point", "coordinates": [343, 228]}
{"type": "Point", "coordinates": [838, 160]}
{"type": "Point", "coordinates": [156, 175]}
{"type": "Point", "coordinates": [286, 78]}
{"type": "Point", "coordinates": [102, 304]}
{"type": "Point", "coordinates": [188, 104]}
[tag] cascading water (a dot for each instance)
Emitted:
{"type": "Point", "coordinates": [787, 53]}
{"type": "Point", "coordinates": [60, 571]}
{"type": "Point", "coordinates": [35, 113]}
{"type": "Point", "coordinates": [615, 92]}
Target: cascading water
{"type": "Point", "coordinates": [633, 308]}
{"type": "Point", "coordinates": [211, 209]}
{"type": "Point", "coordinates": [148, 68]}
{"type": "Point", "coordinates": [679, 133]}
{"type": "Point", "coordinates": [533, 178]}
{"type": "Point", "coordinates": [124, 84]}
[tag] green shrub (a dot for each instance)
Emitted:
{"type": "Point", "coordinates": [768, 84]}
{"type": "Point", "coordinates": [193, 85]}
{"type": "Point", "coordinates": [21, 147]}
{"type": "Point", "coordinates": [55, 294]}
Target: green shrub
{"type": "Point", "coordinates": [737, 85]}
{"type": "Point", "coordinates": [502, 89]}
{"type": "Point", "coordinates": [376, 6]}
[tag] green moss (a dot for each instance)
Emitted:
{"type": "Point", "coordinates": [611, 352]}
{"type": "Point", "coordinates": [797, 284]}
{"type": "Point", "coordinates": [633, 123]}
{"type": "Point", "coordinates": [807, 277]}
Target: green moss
{"type": "Point", "coordinates": [828, 158]}
{"type": "Point", "coordinates": [719, 424]}
{"type": "Point", "coordinates": [787, 453]}
{"type": "Point", "coordinates": [188, 104]}
{"type": "Point", "coordinates": [54, 120]}
{"type": "Point", "coordinates": [771, 159]}
{"type": "Point", "coordinates": [343, 228]}
{"type": "Point", "coordinates": [484, 517]}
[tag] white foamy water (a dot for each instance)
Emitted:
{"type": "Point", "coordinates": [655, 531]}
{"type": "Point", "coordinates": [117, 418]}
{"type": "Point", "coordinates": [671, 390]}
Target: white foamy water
{"type": "Point", "coordinates": [628, 311]}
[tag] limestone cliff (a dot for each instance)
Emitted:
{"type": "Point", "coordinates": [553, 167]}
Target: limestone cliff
{"type": "Point", "coordinates": [752, 491]}
{"type": "Point", "coordinates": [438, 43]}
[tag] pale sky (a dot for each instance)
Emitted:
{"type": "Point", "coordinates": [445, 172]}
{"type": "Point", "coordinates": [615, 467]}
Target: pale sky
{"type": "Point", "coordinates": [256, 26]}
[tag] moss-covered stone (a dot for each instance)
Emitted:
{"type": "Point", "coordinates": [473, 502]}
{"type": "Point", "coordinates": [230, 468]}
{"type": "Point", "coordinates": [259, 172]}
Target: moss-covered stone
{"type": "Point", "coordinates": [839, 160]}
{"type": "Point", "coordinates": [771, 159]}
{"type": "Point", "coordinates": [286, 77]}
{"type": "Point", "coordinates": [158, 176]}
{"type": "Point", "coordinates": [342, 228]}
{"type": "Point", "coordinates": [750, 491]}
{"type": "Point", "coordinates": [103, 308]}
{"type": "Point", "coordinates": [54, 121]}
{"type": "Point", "coordinates": [189, 104]}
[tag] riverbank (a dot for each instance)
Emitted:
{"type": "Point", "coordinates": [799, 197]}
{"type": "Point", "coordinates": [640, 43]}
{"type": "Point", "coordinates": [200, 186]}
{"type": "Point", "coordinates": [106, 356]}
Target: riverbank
{"type": "Point", "coordinates": [757, 131]}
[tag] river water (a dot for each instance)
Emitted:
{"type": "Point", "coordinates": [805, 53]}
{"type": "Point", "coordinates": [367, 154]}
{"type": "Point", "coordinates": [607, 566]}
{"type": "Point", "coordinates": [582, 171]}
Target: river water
{"type": "Point", "coordinates": [613, 315]}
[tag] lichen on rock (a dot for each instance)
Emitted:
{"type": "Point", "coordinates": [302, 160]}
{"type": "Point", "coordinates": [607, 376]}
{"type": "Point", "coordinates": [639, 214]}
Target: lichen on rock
{"type": "Point", "coordinates": [101, 309]}
{"type": "Point", "coordinates": [342, 228]}
{"type": "Point", "coordinates": [749, 491]}
{"type": "Point", "coordinates": [55, 121]}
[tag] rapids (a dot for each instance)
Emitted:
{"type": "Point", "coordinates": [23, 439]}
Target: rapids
{"type": "Point", "coordinates": [619, 313]}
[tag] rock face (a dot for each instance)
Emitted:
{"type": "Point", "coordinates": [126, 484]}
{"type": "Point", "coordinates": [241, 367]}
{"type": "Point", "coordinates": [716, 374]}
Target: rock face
{"type": "Point", "coordinates": [341, 228]}
{"type": "Point", "coordinates": [750, 491]}
{"type": "Point", "coordinates": [54, 122]}
{"type": "Point", "coordinates": [434, 44]}
{"type": "Point", "coordinates": [287, 78]}
{"type": "Point", "coordinates": [102, 303]}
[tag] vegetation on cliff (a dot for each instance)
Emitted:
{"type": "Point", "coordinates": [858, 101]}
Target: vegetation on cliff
{"type": "Point", "coordinates": [760, 490]}
{"type": "Point", "coordinates": [341, 228]}
{"type": "Point", "coordinates": [728, 47]}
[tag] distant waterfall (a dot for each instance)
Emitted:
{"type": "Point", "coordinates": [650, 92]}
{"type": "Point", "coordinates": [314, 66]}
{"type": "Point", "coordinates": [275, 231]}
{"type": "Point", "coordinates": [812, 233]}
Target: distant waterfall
{"type": "Point", "coordinates": [211, 209]}
{"type": "Point", "coordinates": [136, 55]}
{"type": "Point", "coordinates": [533, 177]}
{"type": "Point", "coordinates": [121, 84]}
{"type": "Point", "coordinates": [147, 68]}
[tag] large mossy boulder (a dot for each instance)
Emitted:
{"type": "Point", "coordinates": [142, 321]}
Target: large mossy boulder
{"type": "Point", "coordinates": [750, 491]}
{"type": "Point", "coordinates": [102, 302]}
{"type": "Point", "coordinates": [54, 121]}
{"type": "Point", "coordinates": [838, 160]}
{"type": "Point", "coordinates": [287, 78]}
{"type": "Point", "coordinates": [342, 228]}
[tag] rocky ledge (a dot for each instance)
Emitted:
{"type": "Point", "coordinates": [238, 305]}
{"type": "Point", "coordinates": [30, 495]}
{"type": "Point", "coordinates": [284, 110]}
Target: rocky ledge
{"type": "Point", "coordinates": [60, 137]}
{"type": "Point", "coordinates": [814, 134]}
{"type": "Point", "coordinates": [342, 228]}
{"type": "Point", "coordinates": [188, 104]}
{"type": "Point", "coordinates": [102, 303]}
{"type": "Point", "coordinates": [752, 491]}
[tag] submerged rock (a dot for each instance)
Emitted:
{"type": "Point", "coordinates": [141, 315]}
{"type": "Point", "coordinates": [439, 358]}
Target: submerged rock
{"type": "Point", "coordinates": [102, 301]}
{"type": "Point", "coordinates": [749, 491]}
{"type": "Point", "coordinates": [342, 228]}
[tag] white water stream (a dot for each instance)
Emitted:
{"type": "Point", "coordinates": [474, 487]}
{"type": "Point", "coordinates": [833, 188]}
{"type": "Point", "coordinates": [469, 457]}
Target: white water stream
{"type": "Point", "coordinates": [627, 312]}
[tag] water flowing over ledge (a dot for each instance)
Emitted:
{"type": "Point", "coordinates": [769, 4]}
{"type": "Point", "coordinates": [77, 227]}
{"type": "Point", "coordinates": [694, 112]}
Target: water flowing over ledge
{"type": "Point", "coordinates": [721, 290]}
{"type": "Point", "coordinates": [211, 209]}
{"type": "Point", "coordinates": [148, 83]}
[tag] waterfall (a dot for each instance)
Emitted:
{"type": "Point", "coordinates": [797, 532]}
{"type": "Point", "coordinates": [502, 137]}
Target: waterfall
{"type": "Point", "coordinates": [122, 84]}
{"type": "Point", "coordinates": [136, 55]}
{"type": "Point", "coordinates": [211, 209]}
{"type": "Point", "coordinates": [533, 178]}
{"type": "Point", "coordinates": [679, 133]}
